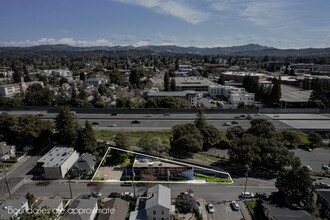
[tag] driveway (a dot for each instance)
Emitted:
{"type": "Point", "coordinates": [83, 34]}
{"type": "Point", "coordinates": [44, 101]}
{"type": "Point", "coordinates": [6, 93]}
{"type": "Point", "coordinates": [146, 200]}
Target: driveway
{"type": "Point", "coordinates": [225, 212]}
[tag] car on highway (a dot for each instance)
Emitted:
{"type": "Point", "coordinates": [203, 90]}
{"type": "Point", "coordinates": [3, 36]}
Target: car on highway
{"type": "Point", "coordinates": [276, 116]}
{"type": "Point", "coordinates": [261, 195]}
{"type": "Point", "coordinates": [323, 185]}
{"type": "Point", "coordinates": [112, 125]}
{"type": "Point", "coordinates": [135, 122]}
{"type": "Point", "coordinates": [126, 184]}
{"type": "Point", "coordinates": [210, 207]}
{"type": "Point", "coordinates": [115, 195]}
{"type": "Point", "coordinates": [234, 122]}
{"type": "Point", "coordinates": [95, 123]}
{"type": "Point", "coordinates": [247, 195]}
{"type": "Point", "coordinates": [40, 114]}
{"type": "Point", "coordinates": [96, 194]}
{"type": "Point", "coordinates": [148, 116]}
{"type": "Point", "coordinates": [227, 124]}
{"type": "Point", "coordinates": [237, 117]}
{"type": "Point", "coordinates": [242, 116]}
{"type": "Point", "coordinates": [166, 114]}
{"type": "Point", "coordinates": [234, 205]}
{"type": "Point", "coordinates": [325, 167]}
{"type": "Point", "coordinates": [308, 168]}
{"type": "Point", "coordinates": [73, 112]}
{"type": "Point", "coordinates": [113, 114]}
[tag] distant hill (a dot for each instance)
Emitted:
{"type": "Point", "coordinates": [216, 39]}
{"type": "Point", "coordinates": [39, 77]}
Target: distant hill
{"type": "Point", "coordinates": [243, 50]}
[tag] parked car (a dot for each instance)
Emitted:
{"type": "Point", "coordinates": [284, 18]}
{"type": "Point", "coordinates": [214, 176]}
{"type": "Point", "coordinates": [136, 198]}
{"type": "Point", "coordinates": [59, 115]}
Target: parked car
{"type": "Point", "coordinates": [135, 122]}
{"type": "Point", "coordinates": [114, 195]}
{"type": "Point", "coordinates": [261, 195]}
{"type": "Point", "coordinates": [235, 205]}
{"type": "Point", "coordinates": [227, 124]}
{"type": "Point", "coordinates": [325, 167]}
{"type": "Point", "coordinates": [129, 194]}
{"type": "Point", "coordinates": [234, 122]}
{"type": "Point", "coordinates": [308, 168]}
{"type": "Point", "coordinates": [126, 184]}
{"type": "Point", "coordinates": [247, 195]}
{"type": "Point", "coordinates": [210, 207]}
{"type": "Point", "coordinates": [323, 185]}
{"type": "Point", "coordinates": [96, 194]}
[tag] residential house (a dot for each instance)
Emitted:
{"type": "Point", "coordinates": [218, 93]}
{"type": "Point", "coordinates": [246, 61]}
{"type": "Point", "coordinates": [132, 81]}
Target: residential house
{"type": "Point", "coordinates": [118, 210]}
{"type": "Point", "coordinates": [11, 208]}
{"type": "Point", "coordinates": [95, 82]}
{"type": "Point", "coordinates": [323, 199]}
{"type": "Point", "coordinates": [155, 206]}
{"type": "Point", "coordinates": [88, 209]}
{"type": "Point", "coordinates": [7, 151]}
{"type": "Point", "coordinates": [57, 162]}
{"type": "Point", "coordinates": [84, 165]}
{"type": "Point", "coordinates": [276, 212]}
{"type": "Point", "coordinates": [55, 204]}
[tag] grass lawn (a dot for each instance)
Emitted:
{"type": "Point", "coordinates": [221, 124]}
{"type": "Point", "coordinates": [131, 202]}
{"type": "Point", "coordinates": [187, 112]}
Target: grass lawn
{"type": "Point", "coordinates": [208, 178]}
{"type": "Point", "coordinates": [303, 137]}
{"type": "Point", "coordinates": [133, 136]}
{"type": "Point", "coordinates": [252, 205]}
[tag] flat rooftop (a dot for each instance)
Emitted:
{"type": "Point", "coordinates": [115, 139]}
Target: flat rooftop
{"type": "Point", "coordinates": [174, 94]}
{"type": "Point", "coordinates": [56, 156]}
{"type": "Point", "coordinates": [294, 94]}
{"type": "Point", "coordinates": [151, 162]}
{"type": "Point", "coordinates": [243, 73]}
{"type": "Point", "coordinates": [192, 81]}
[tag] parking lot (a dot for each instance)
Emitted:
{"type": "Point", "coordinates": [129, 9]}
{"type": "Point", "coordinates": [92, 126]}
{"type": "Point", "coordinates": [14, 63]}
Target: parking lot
{"type": "Point", "coordinates": [314, 159]}
{"type": "Point", "coordinates": [224, 211]}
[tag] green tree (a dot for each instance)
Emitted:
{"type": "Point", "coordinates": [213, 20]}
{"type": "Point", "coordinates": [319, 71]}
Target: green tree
{"type": "Point", "coordinates": [38, 96]}
{"type": "Point", "coordinates": [173, 84]}
{"type": "Point", "coordinates": [295, 186]}
{"type": "Point", "coordinates": [221, 80]}
{"type": "Point", "coordinates": [275, 93]}
{"type": "Point", "coordinates": [315, 139]}
{"type": "Point", "coordinates": [66, 127]}
{"type": "Point", "coordinates": [186, 140]}
{"type": "Point", "coordinates": [210, 137]}
{"type": "Point", "coordinates": [200, 121]}
{"type": "Point", "coordinates": [121, 140]}
{"type": "Point", "coordinates": [154, 146]}
{"type": "Point", "coordinates": [86, 141]}
{"type": "Point", "coordinates": [167, 81]}
{"type": "Point", "coordinates": [185, 203]}
{"type": "Point", "coordinates": [290, 138]}
{"type": "Point", "coordinates": [262, 128]}
{"type": "Point", "coordinates": [32, 198]}
{"type": "Point", "coordinates": [234, 133]}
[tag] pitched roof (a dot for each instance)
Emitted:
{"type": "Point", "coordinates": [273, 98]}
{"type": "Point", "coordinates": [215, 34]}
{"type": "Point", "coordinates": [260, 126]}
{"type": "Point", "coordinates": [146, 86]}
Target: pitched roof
{"type": "Point", "coordinates": [120, 210]}
{"type": "Point", "coordinates": [14, 203]}
{"type": "Point", "coordinates": [50, 203]}
{"type": "Point", "coordinates": [83, 204]}
{"type": "Point", "coordinates": [325, 195]}
{"type": "Point", "coordinates": [85, 162]}
{"type": "Point", "coordinates": [285, 213]}
{"type": "Point", "coordinates": [158, 195]}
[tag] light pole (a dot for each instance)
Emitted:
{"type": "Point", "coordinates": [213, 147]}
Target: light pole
{"type": "Point", "coordinates": [70, 185]}
{"type": "Point", "coordinates": [133, 183]}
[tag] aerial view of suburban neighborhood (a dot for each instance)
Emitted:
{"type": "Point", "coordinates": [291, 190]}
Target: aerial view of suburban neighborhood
{"type": "Point", "coordinates": [164, 110]}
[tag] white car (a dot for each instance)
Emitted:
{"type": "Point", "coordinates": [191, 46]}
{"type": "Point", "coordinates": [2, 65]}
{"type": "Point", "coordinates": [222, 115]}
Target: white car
{"type": "Point", "coordinates": [235, 205]}
{"type": "Point", "coordinates": [127, 194]}
{"type": "Point", "coordinates": [308, 168]}
{"type": "Point", "coordinates": [112, 125]}
{"type": "Point", "coordinates": [247, 195]}
{"type": "Point", "coordinates": [210, 207]}
{"type": "Point", "coordinates": [148, 116]}
{"type": "Point", "coordinates": [325, 167]}
{"type": "Point", "coordinates": [227, 124]}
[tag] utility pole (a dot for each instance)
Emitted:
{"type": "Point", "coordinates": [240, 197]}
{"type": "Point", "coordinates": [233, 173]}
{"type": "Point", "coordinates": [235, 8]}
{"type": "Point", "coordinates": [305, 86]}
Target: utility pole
{"type": "Point", "coordinates": [70, 186]}
{"type": "Point", "coordinates": [7, 182]}
{"type": "Point", "coordinates": [246, 180]}
{"type": "Point", "coordinates": [133, 183]}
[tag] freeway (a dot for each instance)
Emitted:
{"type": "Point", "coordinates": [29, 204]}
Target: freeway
{"type": "Point", "coordinates": [304, 122]}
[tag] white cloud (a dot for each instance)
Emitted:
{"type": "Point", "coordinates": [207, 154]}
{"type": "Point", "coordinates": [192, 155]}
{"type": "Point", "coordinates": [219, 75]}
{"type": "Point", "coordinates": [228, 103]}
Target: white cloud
{"type": "Point", "coordinates": [141, 43]}
{"type": "Point", "coordinates": [176, 8]}
{"type": "Point", "coordinates": [52, 41]}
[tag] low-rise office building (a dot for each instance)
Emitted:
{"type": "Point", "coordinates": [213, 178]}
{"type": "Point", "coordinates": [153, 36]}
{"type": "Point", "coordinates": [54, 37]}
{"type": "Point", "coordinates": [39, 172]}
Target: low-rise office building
{"type": "Point", "coordinates": [192, 83]}
{"type": "Point", "coordinates": [239, 76]}
{"type": "Point", "coordinates": [11, 90]}
{"type": "Point", "coordinates": [57, 162]}
{"type": "Point", "coordinates": [189, 95]}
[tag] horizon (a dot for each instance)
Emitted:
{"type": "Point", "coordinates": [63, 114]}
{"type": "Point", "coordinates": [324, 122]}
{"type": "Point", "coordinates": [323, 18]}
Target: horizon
{"type": "Point", "coordinates": [204, 23]}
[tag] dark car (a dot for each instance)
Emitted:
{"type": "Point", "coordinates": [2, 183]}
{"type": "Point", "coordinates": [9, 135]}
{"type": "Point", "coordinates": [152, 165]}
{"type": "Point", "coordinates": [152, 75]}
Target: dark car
{"type": "Point", "coordinates": [126, 184]}
{"type": "Point", "coordinates": [113, 114]}
{"type": "Point", "coordinates": [114, 195]}
{"type": "Point", "coordinates": [136, 122]}
{"type": "Point", "coordinates": [261, 195]}
{"type": "Point", "coordinates": [234, 122]}
{"type": "Point", "coordinates": [95, 123]}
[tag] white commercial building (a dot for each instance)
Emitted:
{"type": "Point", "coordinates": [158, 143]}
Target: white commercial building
{"type": "Point", "coordinates": [57, 162]}
{"type": "Point", "coordinates": [234, 95]}
{"type": "Point", "coordinates": [11, 90]}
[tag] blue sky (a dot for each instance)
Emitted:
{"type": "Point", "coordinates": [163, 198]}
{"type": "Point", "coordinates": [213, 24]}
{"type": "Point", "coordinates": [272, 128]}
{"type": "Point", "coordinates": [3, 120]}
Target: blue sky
{"type": "Point", "coordinates": [201, 23]}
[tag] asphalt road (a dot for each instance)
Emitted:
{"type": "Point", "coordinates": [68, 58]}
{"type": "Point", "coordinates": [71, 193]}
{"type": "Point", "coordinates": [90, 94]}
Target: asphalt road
{"type": "Point", "coordinates": [161, 122]}
{"type": "Point", "coordinates": [210, 192]}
